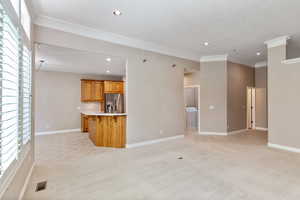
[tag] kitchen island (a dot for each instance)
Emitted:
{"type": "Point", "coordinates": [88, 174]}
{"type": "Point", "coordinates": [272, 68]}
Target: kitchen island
{"type": "Point", "coordinates": [107, 129]}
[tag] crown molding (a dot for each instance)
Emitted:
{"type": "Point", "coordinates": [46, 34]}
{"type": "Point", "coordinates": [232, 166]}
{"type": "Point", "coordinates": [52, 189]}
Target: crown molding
{"type": "Point", "coordinates": [291, 61]}
{"type": "Point", "coordinates": [261, 64]}
{"type": "Point", "coordinates": [214, 58]}
{"type": "Point", "coordinates": [85, 31]}
{"type": "Point", "coordinates": [278, 41]}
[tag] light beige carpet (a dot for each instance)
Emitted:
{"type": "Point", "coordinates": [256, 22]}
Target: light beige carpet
{"type": "Point", "coordinates": [237, 167]}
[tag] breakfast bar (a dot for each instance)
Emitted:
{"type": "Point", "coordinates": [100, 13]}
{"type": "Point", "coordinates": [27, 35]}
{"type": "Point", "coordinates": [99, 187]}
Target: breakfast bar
{"type": "Point", "coordinates": [107, 129]}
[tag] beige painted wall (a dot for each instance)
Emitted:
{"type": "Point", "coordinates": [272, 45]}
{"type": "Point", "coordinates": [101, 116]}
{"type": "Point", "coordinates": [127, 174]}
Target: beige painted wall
{"type": "Point", "coordinates": [155, 88]}
{"type": "Point", "coordinates": [223, 99]}
{"type": "Point", "coordinates": [57, 97]}
{"type": "Point", "coordinates": [213, 80]}
{"type": "Point", "coordinates": [261, 112]}
{"type": "Point", "coordinates": [239, 77]}
{"type": "Point", "coordinates": [283, 99]}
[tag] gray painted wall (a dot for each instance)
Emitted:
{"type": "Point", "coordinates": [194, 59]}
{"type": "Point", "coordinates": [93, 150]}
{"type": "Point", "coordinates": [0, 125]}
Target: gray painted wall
{"type": "Point", "coordinates": [155, 89]}
{"type": "Point", "coordinates": [213, 90]}
{"type": "Point", "coordinates": [261, 112]}
{"type": "Point", "coordinates": [283, 99]}
{"type": "Point", "coordinates": [57, 97]}
{"type": "Point", "coordinates": [239, 77]}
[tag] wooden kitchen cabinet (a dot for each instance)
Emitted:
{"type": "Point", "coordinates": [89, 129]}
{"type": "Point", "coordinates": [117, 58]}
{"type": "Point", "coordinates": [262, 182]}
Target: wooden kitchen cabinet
{"type": "Point", "coordinates": [98, 91]}
{"type": "Point", "coordinates": [84, 123]}
{"type": "Point", "coordinates": [86, 90]}
{"type": "Point", "coordinates": [92, 90]}
{"type": "Point", "coordinates": [114, 87]}
{"type": "Point", "coordinates": [108, 131]}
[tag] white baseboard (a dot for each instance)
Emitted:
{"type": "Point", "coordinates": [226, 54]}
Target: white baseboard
{"type": "Point", "coordinates": [153, 141]}
{"type": "Point", "coordinates": [223, 134]}
{"type": "Point", "coordinates": [261, 129]}
{"type": "Point", "coordinates": [213, 133]}
{"type": "Point", "coordinates": [286, 148]}
{"type": "Point", "coordinates": [237, 131]}
{"type": "Point", "coordinates": [26, 182]}
{"type": "Point", "coordinates": [58, 131]}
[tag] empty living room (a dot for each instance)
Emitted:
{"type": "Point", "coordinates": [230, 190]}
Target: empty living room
{"type": "Point", "coordinates": [152, 100]}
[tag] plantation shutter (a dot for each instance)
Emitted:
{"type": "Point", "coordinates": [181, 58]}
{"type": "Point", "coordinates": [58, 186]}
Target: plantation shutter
{"type": "Point", "coordinates": [26, 95]}
{"type": "Point", "coordinates": [9, 83]}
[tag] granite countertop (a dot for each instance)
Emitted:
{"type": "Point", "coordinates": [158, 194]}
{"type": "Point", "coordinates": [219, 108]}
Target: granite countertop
{"type": "Point", "coordinates": [91, 113]}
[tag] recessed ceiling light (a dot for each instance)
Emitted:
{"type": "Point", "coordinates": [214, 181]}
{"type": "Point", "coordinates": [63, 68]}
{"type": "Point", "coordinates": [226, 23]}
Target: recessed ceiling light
{"type": "Point", "coordinates": [108, 71]}
{"type": "Point", "coordinates": [108, 59]}
{"type": "Point", "coordinates": [117, 12]}
{"type": "Point", "coordinates": [205, 43]}
{"type": "Point", "coordinates": [258, 53]}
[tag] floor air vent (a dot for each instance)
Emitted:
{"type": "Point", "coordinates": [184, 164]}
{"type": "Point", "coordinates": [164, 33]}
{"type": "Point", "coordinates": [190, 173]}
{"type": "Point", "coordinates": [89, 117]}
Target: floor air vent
{"type": "Point", "coordinates": [41, 186]}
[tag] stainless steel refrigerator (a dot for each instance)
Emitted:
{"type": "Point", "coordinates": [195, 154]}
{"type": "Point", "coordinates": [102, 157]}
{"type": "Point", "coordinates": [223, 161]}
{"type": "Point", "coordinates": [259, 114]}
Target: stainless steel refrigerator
{"type": "Point", "coordinates": [114, 103]}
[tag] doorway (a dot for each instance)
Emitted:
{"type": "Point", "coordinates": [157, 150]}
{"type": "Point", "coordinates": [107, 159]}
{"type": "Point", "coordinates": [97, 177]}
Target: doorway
{"type": "Point", "coordinates": [250, 108]}
{"type": "Point", "coordinates": [192, 108]}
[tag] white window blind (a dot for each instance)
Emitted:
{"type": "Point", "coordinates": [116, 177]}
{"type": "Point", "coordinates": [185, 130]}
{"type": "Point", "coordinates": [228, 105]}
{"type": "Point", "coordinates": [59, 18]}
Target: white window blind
{"type": "Point", "coordinates": [26, 94]}
{"type": "Point", "coordinates": [9, 53]}
{"type": "Point", "coordinates": [15, 91]}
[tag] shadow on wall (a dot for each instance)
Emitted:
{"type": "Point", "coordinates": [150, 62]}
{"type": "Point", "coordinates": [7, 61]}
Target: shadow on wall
{"type": "Point", "coordinates": [293, 48]}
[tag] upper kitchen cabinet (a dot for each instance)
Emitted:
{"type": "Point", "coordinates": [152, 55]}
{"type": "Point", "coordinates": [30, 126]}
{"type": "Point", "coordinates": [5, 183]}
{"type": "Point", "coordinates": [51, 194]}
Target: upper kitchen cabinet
{"type": "Point", "coordinates": [86, 90]}
{"type": "Point", "coordinates": [92, 90]}
{"type": "Point", "coordinates": [98, 90]}
{"type": "Point", "coordinates": [114, 87]}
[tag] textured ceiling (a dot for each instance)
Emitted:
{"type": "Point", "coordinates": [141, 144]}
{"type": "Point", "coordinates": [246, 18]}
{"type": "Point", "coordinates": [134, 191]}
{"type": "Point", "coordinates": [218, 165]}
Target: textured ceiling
{"type": "Point", "coordinates": [235, 27]}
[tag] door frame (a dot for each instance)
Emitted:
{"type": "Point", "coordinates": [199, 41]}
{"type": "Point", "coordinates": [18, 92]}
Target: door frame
{"type": "Point", "coordinates": [198, 87]}
{"type": "Point", "coordinates": [251, 110]}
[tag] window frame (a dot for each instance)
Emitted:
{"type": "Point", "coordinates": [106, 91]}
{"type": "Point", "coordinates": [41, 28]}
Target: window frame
{"type": "Point", "coordinates": [16, 17]}
{"type": "Point", "coordinates": [25, 22]}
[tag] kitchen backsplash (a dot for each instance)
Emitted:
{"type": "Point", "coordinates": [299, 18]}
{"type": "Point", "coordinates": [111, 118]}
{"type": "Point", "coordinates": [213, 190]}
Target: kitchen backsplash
{"type": "Point", "coordinates": [92, 106]}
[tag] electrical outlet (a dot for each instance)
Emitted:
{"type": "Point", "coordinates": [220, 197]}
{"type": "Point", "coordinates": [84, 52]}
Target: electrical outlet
{"type": "Point", "coordinates": [161, 132]}
{"type": "Point", "coordinates": [211, 107]}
